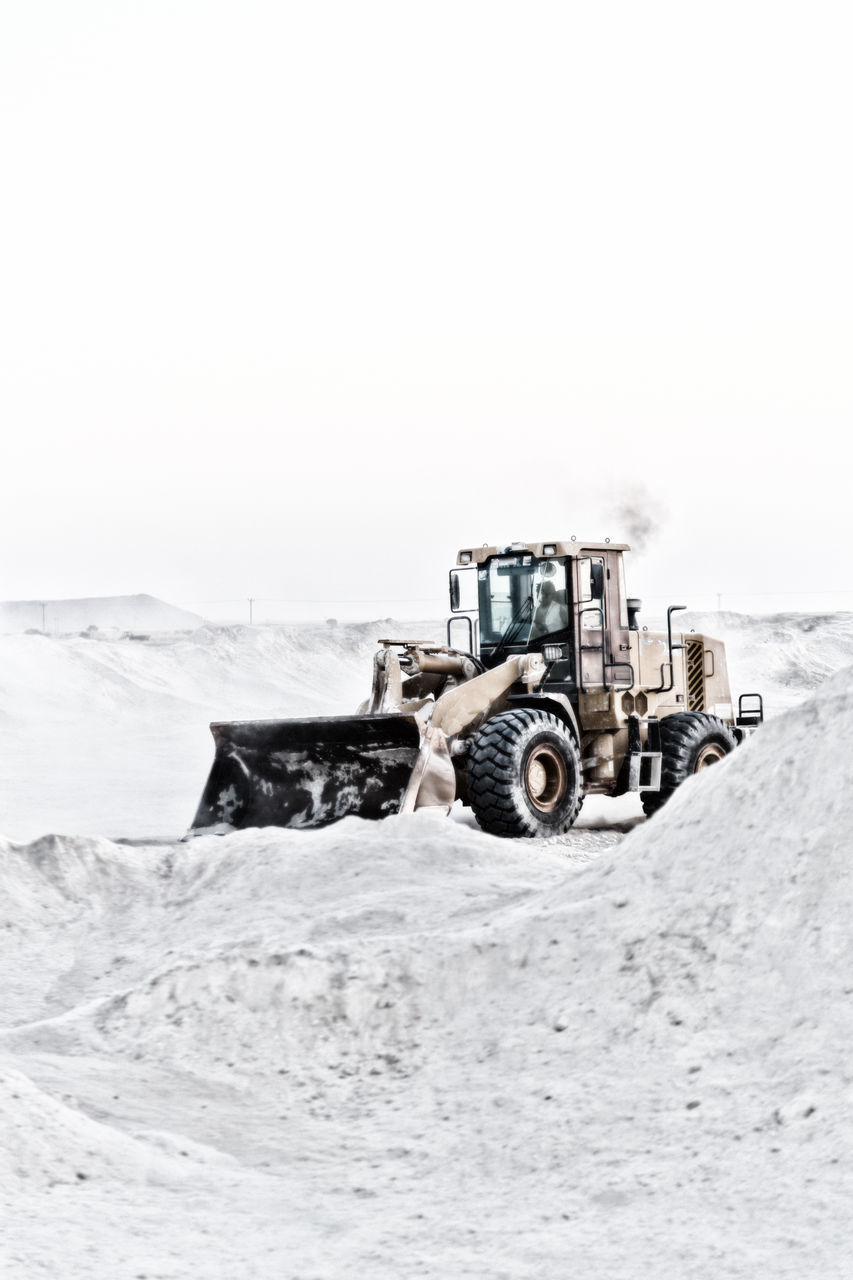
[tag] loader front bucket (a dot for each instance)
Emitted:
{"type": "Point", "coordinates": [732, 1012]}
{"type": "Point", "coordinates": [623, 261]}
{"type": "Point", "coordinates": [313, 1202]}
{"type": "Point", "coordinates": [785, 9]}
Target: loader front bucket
{"type": "Point", "coordinates": [306, 773]}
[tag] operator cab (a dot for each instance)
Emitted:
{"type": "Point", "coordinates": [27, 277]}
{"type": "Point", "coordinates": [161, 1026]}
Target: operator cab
{"type": "Point", "coordinates": [522, 602]}
{"type": "Point", "coordinates": [529, 596]}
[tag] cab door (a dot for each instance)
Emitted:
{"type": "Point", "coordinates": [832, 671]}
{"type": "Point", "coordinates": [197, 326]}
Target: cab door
{"type": "Point", "coordinates": [619, 668]}
{"type": "Point", "coordinates": [591, 597]}
{"type": "Point", "coordinates": [602, 619]}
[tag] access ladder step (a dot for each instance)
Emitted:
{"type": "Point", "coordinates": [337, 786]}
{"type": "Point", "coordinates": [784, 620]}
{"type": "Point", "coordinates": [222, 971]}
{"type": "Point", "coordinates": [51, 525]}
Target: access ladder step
{"type": "Point", "coordinates": [644, 762]}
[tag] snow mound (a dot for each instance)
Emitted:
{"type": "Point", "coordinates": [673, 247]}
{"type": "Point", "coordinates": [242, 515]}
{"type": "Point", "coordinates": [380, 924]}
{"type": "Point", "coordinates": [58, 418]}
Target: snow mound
{"type": "Point", "coordinates": [735, 898]}
{"type": "Point", "coordinates": [641, 1061]}
{"type": "Point", "coordinates": [130, 613]}
{"type": "Point", "coordinates": [726, 918]}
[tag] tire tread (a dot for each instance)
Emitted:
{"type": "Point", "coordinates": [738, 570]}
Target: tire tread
{"type": "Point", "coordinates": [682, 735]}
{"type": "Point", "coordinates": [492, 774]}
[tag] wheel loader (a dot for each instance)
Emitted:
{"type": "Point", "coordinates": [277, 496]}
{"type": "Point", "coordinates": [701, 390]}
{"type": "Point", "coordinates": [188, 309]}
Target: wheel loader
{"type": "Point", "coordinates": [547, 690]}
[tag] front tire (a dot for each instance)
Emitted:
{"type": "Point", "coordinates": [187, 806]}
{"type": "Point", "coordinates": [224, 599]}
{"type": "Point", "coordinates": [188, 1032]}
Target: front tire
{"type": "Point", "coordinates": [690, 741]}
{"type": "Point", "coordinates": [524, 775]}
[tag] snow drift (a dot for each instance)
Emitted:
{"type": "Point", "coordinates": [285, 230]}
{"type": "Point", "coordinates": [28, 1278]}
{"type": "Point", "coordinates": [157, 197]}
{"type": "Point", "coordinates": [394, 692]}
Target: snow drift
{"type": "Point", "coordinates": [110, 735]}
{"type": "Point", "coordinates": [410, 1049]}
{"type": "Point", "coordinates": [783, 655]}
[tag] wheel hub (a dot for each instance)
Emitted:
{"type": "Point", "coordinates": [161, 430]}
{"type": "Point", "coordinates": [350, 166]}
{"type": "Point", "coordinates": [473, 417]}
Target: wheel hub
{"type": "Point", "coordinates": [710, 754]}
{"type": "Point", "coordinates": [545, 778]}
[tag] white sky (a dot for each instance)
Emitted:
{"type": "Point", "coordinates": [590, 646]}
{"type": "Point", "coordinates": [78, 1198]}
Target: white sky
{"type": "Point", "coordinates": [395, 278]}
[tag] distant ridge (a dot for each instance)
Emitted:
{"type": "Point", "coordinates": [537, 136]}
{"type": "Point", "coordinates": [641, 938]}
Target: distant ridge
{"type": "Point", "coordinates": [128, 613]}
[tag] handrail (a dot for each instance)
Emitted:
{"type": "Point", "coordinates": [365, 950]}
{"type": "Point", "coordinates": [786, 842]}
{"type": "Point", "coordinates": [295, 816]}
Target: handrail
{"type": "Point", "coordinates": [467, 618]}
{"type": "Point", "coordinates": [590, 647]}
{"type": "Point", "coordinates": [622, 662]}
{"type": "Point", "coordinates": [673, 608]}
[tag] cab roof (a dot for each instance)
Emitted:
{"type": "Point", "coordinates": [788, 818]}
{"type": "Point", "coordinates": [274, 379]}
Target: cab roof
{"type": "Point", "coordinates": [574, 547]}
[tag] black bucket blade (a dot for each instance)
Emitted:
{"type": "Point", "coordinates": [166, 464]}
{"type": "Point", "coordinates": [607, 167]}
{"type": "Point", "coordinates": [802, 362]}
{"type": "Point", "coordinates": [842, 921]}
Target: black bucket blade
{"type": "Point", "coordinates": [306, 773]}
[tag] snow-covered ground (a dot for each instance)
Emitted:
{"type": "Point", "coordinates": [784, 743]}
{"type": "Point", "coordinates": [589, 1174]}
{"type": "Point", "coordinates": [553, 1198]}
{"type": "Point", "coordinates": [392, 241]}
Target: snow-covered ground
{"type": "Point", "coordinates": [409, 1049]}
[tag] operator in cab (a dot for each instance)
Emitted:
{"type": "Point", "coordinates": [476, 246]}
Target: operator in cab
{"type": "Point", "coordinates": [552, 612]}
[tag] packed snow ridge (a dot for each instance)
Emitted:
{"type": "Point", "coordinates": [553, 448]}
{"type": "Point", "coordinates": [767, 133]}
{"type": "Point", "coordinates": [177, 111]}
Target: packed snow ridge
{"type": "Point", "coordinates": [410, 1049]}
{"type": "Point", "coordinates": [59, 617]}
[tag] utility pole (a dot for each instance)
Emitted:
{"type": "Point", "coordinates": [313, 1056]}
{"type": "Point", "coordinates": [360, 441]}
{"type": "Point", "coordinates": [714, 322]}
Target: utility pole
{"type": "Point", "coordinates": [251, 605]}
{"type": "Point", "coordinates": [43, 605]}
{"type": "Point", "coordinates": [719, 602]}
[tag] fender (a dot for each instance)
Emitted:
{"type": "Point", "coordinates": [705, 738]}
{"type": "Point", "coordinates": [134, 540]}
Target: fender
{"type": "Point", "coordinates": [557, 703]}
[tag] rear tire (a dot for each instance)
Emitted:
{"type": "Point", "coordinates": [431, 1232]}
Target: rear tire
{"type": "Point", "coordinates": [524, 775]}
{"type": "Point", "coordinates": [690, 741]}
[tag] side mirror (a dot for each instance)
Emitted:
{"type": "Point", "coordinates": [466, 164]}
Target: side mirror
{"type": "Point", "coordinates": [596, 572]}
{"type": "Point", "coordinates": [463, 590]}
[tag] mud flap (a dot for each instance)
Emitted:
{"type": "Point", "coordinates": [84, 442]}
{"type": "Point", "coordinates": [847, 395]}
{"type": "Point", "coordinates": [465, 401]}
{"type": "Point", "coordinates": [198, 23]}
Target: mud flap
{"type": "Point", "coordinates": [307, 773]}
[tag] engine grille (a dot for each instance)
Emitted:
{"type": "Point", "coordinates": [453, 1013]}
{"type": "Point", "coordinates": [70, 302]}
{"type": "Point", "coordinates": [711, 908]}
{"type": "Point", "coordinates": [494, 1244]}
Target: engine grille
{"type": "Point", "coordinates": [695, 675]}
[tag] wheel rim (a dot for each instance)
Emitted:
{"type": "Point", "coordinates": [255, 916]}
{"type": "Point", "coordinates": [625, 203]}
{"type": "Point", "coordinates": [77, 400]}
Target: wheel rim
{"type": "Point", "coordinates": [545, 778]}
{"type": "Point", "coordinates": [711, 753]}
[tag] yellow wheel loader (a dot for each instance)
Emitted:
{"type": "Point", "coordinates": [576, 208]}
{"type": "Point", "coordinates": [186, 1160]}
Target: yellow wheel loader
{"type": "Point", "coordinates": [553, 693]}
